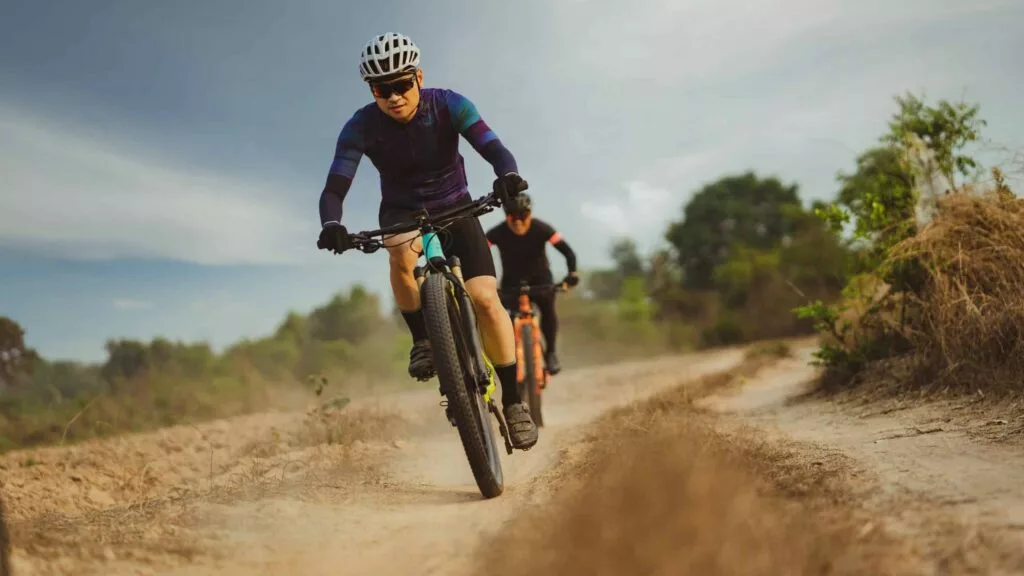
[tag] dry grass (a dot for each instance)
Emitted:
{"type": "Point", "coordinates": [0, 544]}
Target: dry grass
{"type": "Point", "coordinates": [969, 316]}
{"type": "Point", "coordinates": [332, 425]}
{"type": "Point", "coordinates": [333, 447]}
{"type": "Point", "coordinates": [958, 327]}
{"type": "Point", "coordinates": [661, 491]}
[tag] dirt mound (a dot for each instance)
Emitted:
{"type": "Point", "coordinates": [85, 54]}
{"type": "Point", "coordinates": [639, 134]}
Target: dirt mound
{"type": "Point", "coordinates": [969, 313]}
{"type": "Point", "coordinates": [660, 491]}
{"type": "Point", "coordinates": [949, 314]}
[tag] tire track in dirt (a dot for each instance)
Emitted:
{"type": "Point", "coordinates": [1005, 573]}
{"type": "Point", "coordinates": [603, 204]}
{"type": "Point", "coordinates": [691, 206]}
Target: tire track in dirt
{"type": "Point", "coordinates": [957, 498]}
{"type": "Point", "coordinates": [410, 507]}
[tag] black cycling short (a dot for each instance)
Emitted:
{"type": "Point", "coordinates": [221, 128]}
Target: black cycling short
{"type": "Point", "coordinates": [464, 238]}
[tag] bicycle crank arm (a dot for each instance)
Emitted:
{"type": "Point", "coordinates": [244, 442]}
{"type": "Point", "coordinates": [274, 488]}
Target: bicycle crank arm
{"type": "Point", "coordinates": [501, 425]}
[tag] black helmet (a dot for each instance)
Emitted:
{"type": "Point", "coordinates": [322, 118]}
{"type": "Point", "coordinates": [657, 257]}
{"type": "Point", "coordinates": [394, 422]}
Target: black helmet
{"type": "Point", "coordinates": [521, 204]}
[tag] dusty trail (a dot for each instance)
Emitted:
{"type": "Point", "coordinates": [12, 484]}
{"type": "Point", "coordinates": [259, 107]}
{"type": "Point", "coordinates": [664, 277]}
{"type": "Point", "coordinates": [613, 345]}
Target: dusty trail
{"type": "Point", "coordinates": [429, 515]}
{"type": "Point", "coordinates": [411, 507]}
{"type": "Point", "coordinates": [265, 495]}
{"type": "Point", "coordinates": [957, 498]}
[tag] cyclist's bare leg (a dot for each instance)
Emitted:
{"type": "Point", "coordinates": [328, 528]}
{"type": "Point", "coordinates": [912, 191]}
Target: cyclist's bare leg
{"type": "Point", "coordinates": [403, 251]}
{"type": "Point", "coordinates": [495, 324]}
{"type": "Point", "coordinates": [500, 345]}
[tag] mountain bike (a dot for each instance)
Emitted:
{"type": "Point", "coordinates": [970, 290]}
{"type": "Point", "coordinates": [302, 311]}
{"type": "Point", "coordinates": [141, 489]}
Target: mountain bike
{"type": "Point", "coordinates": [465, 373]}
{"type": "Point", "coordinates": [532, 373]}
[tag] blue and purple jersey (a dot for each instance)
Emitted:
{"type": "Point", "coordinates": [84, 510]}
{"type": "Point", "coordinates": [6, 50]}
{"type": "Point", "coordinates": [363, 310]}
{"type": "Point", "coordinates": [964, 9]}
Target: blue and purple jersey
{"type": "Point", "coordinates": [419, 162]}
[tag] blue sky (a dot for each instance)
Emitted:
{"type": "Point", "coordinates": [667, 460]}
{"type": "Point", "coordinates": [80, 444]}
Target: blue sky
{"type": "Point", "coordinates": [162, 162]}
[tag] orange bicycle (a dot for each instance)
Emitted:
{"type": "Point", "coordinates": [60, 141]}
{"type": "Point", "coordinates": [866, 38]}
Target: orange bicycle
{"type": "Point", "coordinates": [531, 374]}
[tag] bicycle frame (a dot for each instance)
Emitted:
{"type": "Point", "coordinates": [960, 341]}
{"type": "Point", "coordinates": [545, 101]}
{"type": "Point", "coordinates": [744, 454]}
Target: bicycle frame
{"type": "Point", "coordinates": [524, 315]}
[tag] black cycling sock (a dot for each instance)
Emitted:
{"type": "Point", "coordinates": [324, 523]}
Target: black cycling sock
{"type": "Point", "coordinates": [417, 325]}
{"type": "Point", "coordinates": [509, 388]}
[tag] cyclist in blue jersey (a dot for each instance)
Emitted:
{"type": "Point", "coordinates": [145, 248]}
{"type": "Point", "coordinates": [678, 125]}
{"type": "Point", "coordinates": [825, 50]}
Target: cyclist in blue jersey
{"type": "Point", "coordinates": [411, 135]}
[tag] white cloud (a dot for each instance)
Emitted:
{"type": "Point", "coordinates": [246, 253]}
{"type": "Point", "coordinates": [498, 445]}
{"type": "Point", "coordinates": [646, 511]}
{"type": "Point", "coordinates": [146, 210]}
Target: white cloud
{"type": "Point", "coordinates": [129, 304]}
{"type": "Point", "coordinates": [674, 40]}
{"type": "Point", "coordinates": [75, 196]}
{"type": "Point", "coordinates": [640, 214]}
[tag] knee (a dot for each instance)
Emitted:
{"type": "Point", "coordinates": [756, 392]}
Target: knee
{"type": "Point", "coordinates": [402, 259]}
{"type": "Point", "coordinates": [485, 299]}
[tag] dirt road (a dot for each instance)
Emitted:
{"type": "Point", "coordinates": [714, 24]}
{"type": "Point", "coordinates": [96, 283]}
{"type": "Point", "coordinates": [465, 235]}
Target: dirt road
{"type": "Point", "coordinates": [404, 503]}
{"type": "Point", "coordinates": [286, 493]}
{"type": "Point", "coordinates": [922, 471]}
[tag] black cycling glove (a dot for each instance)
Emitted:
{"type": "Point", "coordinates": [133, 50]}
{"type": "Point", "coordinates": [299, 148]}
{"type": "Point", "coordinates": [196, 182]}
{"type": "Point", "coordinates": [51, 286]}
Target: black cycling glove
{"type": "Point", "coordinates": [509, 186]}
{"type": "Point", "coordinates": [334, 237]}
{"type": "Point", "coordinates": [571, 280]}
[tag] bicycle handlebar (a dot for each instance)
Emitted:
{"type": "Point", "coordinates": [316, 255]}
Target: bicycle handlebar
{"type": "Point", "coordinates": [534, 288]}
{"type": "Point", "coordinates": [368, 242]}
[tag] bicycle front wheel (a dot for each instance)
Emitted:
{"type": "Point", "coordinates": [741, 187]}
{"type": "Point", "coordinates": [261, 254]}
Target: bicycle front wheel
{"type": "Point", "coordinates": [453, 364]}
{"type": "Point", "coordinates": [531, 366]}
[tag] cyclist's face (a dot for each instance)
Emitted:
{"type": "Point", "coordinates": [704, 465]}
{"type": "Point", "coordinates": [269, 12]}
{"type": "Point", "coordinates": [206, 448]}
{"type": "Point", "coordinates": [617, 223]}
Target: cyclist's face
{"type": "Point", "coordinates": [399, 98]}
{"type": "Point", "coordinates": [519, 223]}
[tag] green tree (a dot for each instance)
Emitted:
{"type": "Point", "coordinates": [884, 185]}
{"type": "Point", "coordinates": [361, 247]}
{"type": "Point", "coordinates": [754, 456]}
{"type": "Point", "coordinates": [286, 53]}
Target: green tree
{"type": "Point", "coordinates": [743, 210]}
{"type": "Point", "coordinates": [17, 361]}
{"type": "Point", "coordinates": [945, 130]}
{"type": "Point", "coordinates": [352, 317]}
{"type": "Point", "coordinates": [126, 360]}
{"type": "Point", "coordinates": [608, 284]}
{"type": "Point", "coordinates": [881, 195]}
{"type": "Point", "coordinates": [627, 259]}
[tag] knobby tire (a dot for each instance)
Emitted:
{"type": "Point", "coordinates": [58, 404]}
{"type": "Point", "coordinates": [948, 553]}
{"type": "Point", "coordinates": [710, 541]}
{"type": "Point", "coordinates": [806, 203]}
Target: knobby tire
{"type": "Point", "coordinates": [444, 332]}
{"type": "Point", "coordinates": [530, 385]}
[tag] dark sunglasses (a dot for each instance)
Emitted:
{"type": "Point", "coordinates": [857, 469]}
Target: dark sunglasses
{"type": "Point", "coordinates": [521, 216]}
{"type": "Point", "coordinates": [384, 90]}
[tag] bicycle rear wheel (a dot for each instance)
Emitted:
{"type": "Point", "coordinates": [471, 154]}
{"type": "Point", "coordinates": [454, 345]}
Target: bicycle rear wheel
{"type": "Point", "coordinates": [531, 386]}
{"type": "Point", "coordinates": [453, 362]}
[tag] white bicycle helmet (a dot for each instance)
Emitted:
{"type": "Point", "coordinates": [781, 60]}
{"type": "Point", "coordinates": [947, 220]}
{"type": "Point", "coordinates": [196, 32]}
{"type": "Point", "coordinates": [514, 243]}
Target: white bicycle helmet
{"type": "Point", "coordinates": [387, 55]}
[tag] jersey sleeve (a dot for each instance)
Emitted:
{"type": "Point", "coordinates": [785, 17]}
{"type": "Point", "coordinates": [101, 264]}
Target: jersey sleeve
{"type": "Point", "coordinates": [347, 153]}
{"type": "Point", "coordinates": [466, 120]}
{"type": "Point", "coordinates": [350, 147]}
{"type": "Point", "coordinates": [555, 239]}
{"type": "Point", "coordinates": [547, 231]}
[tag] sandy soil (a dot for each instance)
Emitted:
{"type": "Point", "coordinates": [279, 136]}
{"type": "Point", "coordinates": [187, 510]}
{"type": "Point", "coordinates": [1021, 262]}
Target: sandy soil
{"type": "Point", "coordinates": [667, 466]}
{"type": "Point", "coordinates": [922, 470]}
{"type": "Point", "coordinates": [196, 500]}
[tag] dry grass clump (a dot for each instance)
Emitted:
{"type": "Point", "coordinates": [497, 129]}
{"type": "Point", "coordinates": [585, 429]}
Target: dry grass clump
{"type": "Point", "coordinates": [661, 491]}
{"type": "Point", "coordinates": [968, 326]}
{"type": "Point", "coordinates": [335, 425]}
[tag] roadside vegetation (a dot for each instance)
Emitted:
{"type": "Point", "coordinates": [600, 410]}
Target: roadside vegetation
{"type": "Point", "coordinates": [935, 302]}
